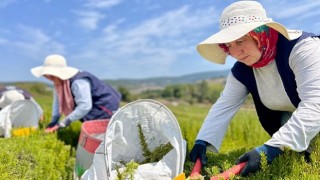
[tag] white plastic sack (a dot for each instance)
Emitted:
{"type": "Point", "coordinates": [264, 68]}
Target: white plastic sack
{"type": "Point", "coordinates": [23, 113]}
{"type": "Point", "coordinates": [122, 143]}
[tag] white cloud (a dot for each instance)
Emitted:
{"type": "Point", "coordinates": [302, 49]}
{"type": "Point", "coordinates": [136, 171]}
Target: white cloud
{"type": "Point", "coordinates": [294, 14]}
{"type": "Point", "coordinates": [89, 19]}
{"type": "Point", "coordinates": [3, 41]}
{"type": "Point", "coordinates": [90, 15]}
{"type": "Point", "coordinates": [156, 42]}
{"type": "Point", "coordinates": [293, 9]}
{"type": "Point", "coordinates": [4, 3]}
{"type": "Point", "coordinates": [148, 5]}
{"type": "Point", "coordinates": [35, 43]}
{"type": "Point", "coordinates": [101, 4]}
{"type": "Point", "coordinates": [300, 11]}
{"type": "Point", "coordinates": [172, 29]}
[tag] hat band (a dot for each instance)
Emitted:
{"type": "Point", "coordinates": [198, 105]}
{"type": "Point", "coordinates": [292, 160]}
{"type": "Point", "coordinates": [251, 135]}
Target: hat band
{"type": "Point", "coordinates": [241, 20]}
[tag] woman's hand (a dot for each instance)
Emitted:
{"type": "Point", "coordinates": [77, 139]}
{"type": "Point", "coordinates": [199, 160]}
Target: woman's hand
{"type": "Point", "coordinates": [199, 151]}
{"type": "Point", "coordinates": [253, 158]}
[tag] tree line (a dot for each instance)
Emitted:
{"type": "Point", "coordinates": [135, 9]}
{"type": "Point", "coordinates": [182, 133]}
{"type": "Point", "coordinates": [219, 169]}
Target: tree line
{"type": "Point", "coordinates": [202, 92]}
{"type": "Point", "coordinates": [205, 91]}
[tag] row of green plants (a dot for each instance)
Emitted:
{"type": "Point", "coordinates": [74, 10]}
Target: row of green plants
{"type": "Point", "coordinates": [243, 134]}
{"type": "Point", "coordinates": [38, 156]}
{"type": "Point", "coordinates": [52, 156]}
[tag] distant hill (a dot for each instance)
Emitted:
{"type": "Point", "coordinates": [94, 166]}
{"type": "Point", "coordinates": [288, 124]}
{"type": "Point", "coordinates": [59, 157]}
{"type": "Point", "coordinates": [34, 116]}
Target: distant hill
{"type": "Point", "coordinates": [161, 82]}
{"type": "Point", "coordinates": [138, 85]}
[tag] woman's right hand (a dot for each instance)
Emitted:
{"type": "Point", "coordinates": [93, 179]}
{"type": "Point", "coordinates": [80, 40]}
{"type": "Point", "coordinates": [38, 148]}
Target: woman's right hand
{"type": "Point", "coordinates": [54, 121]}
{"type": "Point", "coordinates": [199, 151]}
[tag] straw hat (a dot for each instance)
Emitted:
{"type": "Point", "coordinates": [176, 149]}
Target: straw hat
{"type": "Point", "coordinates": [9, 97]}
{"type": "Point", "coordinates": [55, 65]}
{"type": "Point", "coordinates": [237, 20]}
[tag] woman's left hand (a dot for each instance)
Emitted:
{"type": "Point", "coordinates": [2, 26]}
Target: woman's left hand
{"type": "Point", "coordinates": [253, 158]}
{"type": "Point", "coordinates": [65, 123]}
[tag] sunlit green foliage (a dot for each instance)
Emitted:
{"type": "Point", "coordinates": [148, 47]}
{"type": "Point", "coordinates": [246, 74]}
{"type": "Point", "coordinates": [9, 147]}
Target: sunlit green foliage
{"type": "Point", "coordinates": [127, 173]}
{"type": "Point", "coordinates": [50, 156]}
{"type": "Point", "coordinates": [243, 134]}
{"type": "Point", "coordinates": [154, 155]}
{"type": "Point", "coordinates": [38, 156]}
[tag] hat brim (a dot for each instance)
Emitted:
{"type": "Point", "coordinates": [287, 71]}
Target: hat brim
{"type": "Point", "coordinates": [62, 73]}
{"type": "Point", "coordinates": [9, 97]}
{"type": "Point", "coordinates": [210, 50]}
{"type": "Point", "coordinates": [2, 102]}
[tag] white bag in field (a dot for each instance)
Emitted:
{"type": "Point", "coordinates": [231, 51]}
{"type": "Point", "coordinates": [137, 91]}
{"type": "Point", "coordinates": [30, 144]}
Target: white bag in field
{"type": "Point", "coordinates": [122, 144]}
{"type": "Point", "coordinates": [23, 113]}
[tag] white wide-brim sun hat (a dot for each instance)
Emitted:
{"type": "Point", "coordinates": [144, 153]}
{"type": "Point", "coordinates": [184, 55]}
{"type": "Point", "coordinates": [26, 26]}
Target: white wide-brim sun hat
{"type": "Point", "coordinates": [55, 65]}
{"type": "Point", "coordinates": [237, 20]}
{"type": "Point", "coordinates": [9, 97]}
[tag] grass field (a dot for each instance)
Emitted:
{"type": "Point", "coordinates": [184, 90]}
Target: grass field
{"type": "Point", "coordinates": [243, 134]}
{"type": "Point", "coordinates": [244, 129]}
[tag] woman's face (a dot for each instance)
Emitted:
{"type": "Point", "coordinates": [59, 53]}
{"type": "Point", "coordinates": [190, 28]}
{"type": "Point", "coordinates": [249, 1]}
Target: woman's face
{"type": "Point", "coordinates": [54, 79]}
{"type": "Point", "coordinates": [245, 50]}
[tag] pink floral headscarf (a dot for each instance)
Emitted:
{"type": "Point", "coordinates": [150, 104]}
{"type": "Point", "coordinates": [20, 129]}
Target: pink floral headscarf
{"type": "Point", "coordinates": [267, 40]}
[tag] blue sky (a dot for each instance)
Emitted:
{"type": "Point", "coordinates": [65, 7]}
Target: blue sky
{"type": "Point", "coordinates": [116, 39]}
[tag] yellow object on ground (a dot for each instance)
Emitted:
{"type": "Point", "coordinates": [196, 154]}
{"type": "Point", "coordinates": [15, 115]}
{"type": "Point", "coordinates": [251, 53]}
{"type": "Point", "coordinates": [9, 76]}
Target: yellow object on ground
{"type": "Point", "coordinates": [23, 131]}
{"type": "Point", "coordinates": [181, 176]}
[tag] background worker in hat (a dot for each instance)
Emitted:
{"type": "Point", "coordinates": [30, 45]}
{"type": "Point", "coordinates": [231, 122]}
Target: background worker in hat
{"type": "Point", "coordinates": [78, 95]}
{"type": "Point", "coordinates": [11, 94]}
{"type": "Point", "coordinates": [278, 67]}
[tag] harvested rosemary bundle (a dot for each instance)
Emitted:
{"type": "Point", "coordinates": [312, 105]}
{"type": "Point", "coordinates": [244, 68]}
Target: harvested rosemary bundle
{"type": "Point", "coordinates": [149, 156]}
